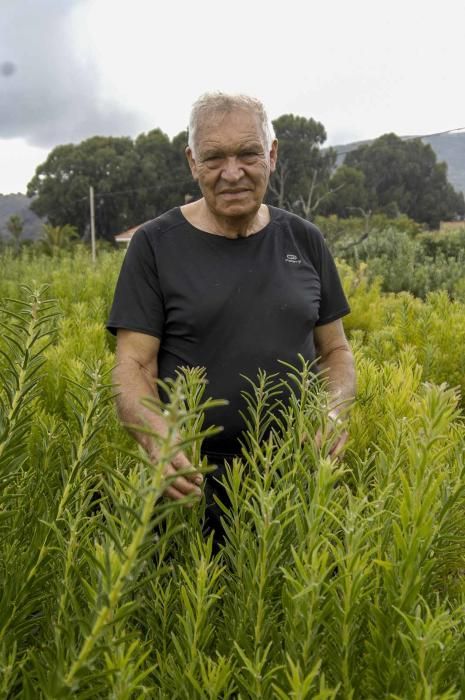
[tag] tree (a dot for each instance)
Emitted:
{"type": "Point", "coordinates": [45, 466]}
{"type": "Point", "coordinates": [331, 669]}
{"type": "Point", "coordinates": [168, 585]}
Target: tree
{"type": "Point", "coordinates": [301, 179]}
{"type": "Point", "coordinates": [403, 176]}
{"type": "Point", "coordinates": [55, 238]}
{"type": "Point", "coordinates": [60, 187]}
{"type": "Point", "coordinates": [187, 187]}
{"type": "Point", "coordinates": [133, 181]}
{"type": "Point", "coordinates": [163, 178]}
{"type": "Point", "coordinates": [15, 226]}
{"type": "Point", "coordinates": [347, 192]}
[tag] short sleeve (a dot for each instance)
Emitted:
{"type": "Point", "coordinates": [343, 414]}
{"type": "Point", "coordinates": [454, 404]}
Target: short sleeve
{"type": "Point", "coordinates": [138, 300]}
{"type": "Point", "coordinates": [333, 302]}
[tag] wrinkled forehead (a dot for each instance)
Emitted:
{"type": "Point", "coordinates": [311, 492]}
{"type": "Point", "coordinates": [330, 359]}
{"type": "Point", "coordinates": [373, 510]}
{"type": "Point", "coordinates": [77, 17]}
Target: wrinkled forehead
{"type": "Point", "coordinates": [225, 125]}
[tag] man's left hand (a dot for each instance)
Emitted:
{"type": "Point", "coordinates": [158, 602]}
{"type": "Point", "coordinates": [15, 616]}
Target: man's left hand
{"type": "Point", "coordinates": [333, 433]}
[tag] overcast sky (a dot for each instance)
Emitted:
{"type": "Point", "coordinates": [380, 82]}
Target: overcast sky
{"type": "Point", "coordinates": [70, 69]}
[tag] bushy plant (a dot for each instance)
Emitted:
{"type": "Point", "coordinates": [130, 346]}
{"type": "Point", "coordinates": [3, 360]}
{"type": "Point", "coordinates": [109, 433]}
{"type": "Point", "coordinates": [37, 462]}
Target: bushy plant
{"type": "Point", "coordinates": [449, 243]}
{"type": "Point", "coordinates": [398, 254]}
{"type": "Point", "coordinates": [404, 264]}
{"type": "Point", "coordinates": [344, 234]}
{"type": "Point", "coordinates": [383, 326]}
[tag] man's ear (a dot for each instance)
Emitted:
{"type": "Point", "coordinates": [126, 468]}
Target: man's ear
{"type": "Point", "coordinates": [273, 155]}
{"type": "Point", "coordinates": [192, 163]}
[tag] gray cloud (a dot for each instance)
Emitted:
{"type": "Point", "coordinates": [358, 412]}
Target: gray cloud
{"type": "Point", "coordinates": [49, 93]}
{"type": "Point", "coordinates": [7, 68]}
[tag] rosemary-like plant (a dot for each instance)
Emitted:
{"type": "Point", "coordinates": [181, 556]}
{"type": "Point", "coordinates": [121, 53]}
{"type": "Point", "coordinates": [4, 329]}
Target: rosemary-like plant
{"type": "Point", "coordinates": [336, 580]}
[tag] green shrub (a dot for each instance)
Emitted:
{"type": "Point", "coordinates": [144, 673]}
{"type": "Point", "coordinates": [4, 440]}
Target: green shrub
{"type": "Point", "coordinates": [342, 234]}
{"type": "Point", "coordinates": [383, 326]}
{"type": "Point", "coordinates": [399, 255]}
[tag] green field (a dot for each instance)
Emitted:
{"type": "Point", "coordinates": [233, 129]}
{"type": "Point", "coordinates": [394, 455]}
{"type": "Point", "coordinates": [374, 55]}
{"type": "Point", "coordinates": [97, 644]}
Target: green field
{"type": "Point", "coordinates": [337, 580]}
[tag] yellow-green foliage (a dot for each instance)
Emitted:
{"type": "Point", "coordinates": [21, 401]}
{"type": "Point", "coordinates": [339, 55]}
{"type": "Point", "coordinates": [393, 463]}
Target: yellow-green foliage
{"type": "Point", "coordinates": [382, 326]}
{"type": "Point", "coordinates": [70, 275]}
{"type": "Point", "coordinates": [336, 580]}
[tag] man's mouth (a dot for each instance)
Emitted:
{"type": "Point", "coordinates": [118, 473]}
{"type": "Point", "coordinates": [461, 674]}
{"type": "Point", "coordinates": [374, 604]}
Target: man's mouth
{"type": "Point", "coordinates": [233, 193]}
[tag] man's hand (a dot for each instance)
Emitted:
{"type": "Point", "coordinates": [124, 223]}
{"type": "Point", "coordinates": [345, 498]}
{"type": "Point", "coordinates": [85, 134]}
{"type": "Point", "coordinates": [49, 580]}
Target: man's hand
{"type": "Point", "coordinates": [184, 485]}
{"type": "Point", "coordinates": [334, 434]}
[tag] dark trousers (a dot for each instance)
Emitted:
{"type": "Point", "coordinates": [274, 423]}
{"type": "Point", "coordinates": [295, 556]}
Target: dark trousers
{"type": "Point", "coordinates": [214, 491]}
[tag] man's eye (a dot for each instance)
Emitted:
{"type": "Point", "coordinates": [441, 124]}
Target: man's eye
{"type": "Point", "coordinates": [249, 155]}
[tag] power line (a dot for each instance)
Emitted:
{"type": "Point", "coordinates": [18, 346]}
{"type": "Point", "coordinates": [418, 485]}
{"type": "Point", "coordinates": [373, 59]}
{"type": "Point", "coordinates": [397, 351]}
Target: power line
{"type": "Point", "coordinates": [437, 133]}
{"type": "Point", "coordinates": [137, 189]}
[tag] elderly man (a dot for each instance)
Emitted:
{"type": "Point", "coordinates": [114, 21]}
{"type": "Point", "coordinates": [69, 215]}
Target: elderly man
{"type": "Point", "coordinates": [227, 283]}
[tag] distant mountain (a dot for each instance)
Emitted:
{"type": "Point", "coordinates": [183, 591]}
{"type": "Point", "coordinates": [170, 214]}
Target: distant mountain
{"type": "Point", "coordinates": [19, 204]}
{"type": "Point", "coordinates": [449, 148]}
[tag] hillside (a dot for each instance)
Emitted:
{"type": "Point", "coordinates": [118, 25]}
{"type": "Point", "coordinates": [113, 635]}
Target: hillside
{"type": "Point", "coordinates": [19, 204]}
{"type": "Point", "coordinates": [451, 149]}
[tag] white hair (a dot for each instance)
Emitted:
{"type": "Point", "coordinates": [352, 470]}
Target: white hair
{"type": "Point", "coordinates": [220, 102]}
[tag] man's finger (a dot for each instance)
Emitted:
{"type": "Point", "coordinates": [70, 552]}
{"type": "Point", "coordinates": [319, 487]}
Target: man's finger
{"type": "Point", "coordinates": [186, 487]}
{"type": "Point", "coordinates": [180, 462]}
{"type": "Point", "coordinates": [337, 450]}
{"type": "Point", "coordinates": [337, 442]}
{"type": "Point", "coordinates": [173, 494]}
{"type": "Point", "coordinates": [182, 484]}
{"type": "Point", "coordinates": [319, 438]}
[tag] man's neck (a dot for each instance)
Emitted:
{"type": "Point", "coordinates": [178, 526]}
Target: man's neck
{"type": "Point", "coordinates": [199, 215]}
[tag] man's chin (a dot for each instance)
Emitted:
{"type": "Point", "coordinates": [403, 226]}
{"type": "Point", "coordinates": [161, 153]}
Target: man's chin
{"type": "Point", "coordinates": [238, 207]}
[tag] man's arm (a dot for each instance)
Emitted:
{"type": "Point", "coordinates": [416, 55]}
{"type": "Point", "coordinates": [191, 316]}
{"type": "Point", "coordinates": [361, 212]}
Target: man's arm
{"type": "Point", "coordinates": [136, 375]}
{"type": "Point", "coordinates": [338, 367]}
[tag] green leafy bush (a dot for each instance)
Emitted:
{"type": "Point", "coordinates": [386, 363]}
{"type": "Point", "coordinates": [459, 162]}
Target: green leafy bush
{"type": "Point", "coordinates": [410, 264]}
{"type": "Point", "coordinates": [341, 234]}
{"type": "Point", "coordinates": [403, 257]}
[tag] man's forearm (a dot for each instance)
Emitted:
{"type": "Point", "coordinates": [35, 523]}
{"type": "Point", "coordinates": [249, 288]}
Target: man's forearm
{"type": "Point", "coordinates": [338, 368]}
{"type": "Point", "coordinates": [132, 386]}
{"type": "Point", "coordinates": [135, 378]}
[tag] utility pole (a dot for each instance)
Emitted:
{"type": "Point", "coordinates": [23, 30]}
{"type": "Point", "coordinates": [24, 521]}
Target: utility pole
{"type": "Point", "coordinates": [92, 222]}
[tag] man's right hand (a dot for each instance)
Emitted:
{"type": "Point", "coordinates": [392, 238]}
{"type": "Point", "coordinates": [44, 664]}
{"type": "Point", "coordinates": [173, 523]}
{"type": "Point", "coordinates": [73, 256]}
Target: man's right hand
{"type": "Point", "coordinates": [183, 485]}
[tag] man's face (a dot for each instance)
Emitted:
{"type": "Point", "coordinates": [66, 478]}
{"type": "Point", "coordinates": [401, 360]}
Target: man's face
{"type": "Point", "coordinates": [231, 164]}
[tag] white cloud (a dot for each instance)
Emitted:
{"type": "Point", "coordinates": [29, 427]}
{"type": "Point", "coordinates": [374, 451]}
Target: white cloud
{"type": "Point", "coordinates": [18, 161]}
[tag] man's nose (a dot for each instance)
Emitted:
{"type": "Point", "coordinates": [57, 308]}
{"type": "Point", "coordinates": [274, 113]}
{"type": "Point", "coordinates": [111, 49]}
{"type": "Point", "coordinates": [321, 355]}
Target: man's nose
{"type": "Point", "coordinates": [232, 169]}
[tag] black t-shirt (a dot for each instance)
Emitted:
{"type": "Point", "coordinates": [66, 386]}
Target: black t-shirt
{"type": "Point", "coordinates": [229, 305]}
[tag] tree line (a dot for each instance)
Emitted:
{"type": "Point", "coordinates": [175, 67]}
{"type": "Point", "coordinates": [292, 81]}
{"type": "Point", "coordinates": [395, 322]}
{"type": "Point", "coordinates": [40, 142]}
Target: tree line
{"type": "Point", "coordinates": [138, 179]}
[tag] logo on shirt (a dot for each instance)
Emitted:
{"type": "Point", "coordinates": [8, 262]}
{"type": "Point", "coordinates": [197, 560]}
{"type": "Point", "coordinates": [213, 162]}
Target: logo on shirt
{"type": "Point", "coordinates": [291, 258]}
